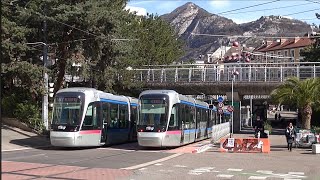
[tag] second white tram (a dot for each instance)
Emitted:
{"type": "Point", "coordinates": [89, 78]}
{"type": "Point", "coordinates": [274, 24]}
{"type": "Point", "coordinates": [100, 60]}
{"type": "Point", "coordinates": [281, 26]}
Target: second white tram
{"type": "Point", "coordinates": [88, 117]}
{"type": "Point", "coordinates": [171, 119]}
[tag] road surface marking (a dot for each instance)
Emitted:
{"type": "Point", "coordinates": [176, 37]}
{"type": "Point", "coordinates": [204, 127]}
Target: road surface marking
{"type": "Point", "coordinates": [116, 149]}
{"type": "Point", "coordinates": [141, 169]}
{"type": "Point", "coordinates": [18, 149]}
{"type": "Point", "coordinates": [152, 162]}
{"type": "Point", "coordinates": [230, 169]}
{"type": "Point", "coordinates": [225, 175]}
{"type": "Point", "coordinates": [257, 177]}
{"type": "Point", "coordinates": [296, 173]}
{"type": "Point", "coordinates": [194, 173]}
{"type": "Point", "coordinates": [158, 164]}
{"type": "Point", "coordinates": [291, 179]}
{"type": "Point", "coordinates": [264, 172]}
{"type": "Point", "coordinates": [182, 166]}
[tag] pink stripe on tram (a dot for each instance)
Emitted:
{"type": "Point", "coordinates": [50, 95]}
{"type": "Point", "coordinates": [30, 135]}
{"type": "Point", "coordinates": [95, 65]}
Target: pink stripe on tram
{"type": "Point", "coordinates": [173, 132]}
{"type": "Point", "coordinates": [90, 132]}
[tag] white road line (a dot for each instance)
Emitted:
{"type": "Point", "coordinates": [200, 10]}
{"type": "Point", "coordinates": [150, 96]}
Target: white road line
{"type": "Point", "coordinates": [18, 149]}
{"type": "Point", "coordinates": [264, 172]}
{"type": "Point", "coordinates": [257, 177]}
{"type": "Point", "coordinates": [141, 169]}
{"type": "Point", "coordinates": [291, 179]}
{"type": "Point", "coordinates": [128, 150]}
{"type": "Point", "coordinates": [158, 164]}
{"type": "Point", "coordinates": [152, 162]}
{"type": "Point", "coordinates": [296, 173]}
{"type": "Point", "coordinates": [182, 166]}
{"type": "Point", "coordinates": [225, 175]}
{"type": "Point", "coordinates": [230, 169]}
{"type": "Point", "coordinates": [194, 173]}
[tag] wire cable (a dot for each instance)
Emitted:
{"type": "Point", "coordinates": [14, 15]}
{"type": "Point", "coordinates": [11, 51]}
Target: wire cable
{"type": "Point", "coordinates": [249, 6]}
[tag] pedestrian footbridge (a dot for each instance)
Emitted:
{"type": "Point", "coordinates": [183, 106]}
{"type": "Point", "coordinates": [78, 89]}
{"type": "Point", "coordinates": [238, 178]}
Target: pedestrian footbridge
{"type": "Point", "coordinates": [248, 78]}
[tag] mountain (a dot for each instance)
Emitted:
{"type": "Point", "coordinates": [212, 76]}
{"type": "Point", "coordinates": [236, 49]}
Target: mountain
{"type": "Point", "coordinates": [191, 20]}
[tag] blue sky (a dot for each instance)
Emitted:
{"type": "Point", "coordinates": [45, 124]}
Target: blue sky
{"type": "Point", "coordinates": [290, 8]}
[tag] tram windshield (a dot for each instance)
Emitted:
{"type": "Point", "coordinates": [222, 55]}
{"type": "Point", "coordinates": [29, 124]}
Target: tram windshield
{"type": "Point", "coordinates": [153, 115]}
{"type": "Point", "coordinates": [67, 111]}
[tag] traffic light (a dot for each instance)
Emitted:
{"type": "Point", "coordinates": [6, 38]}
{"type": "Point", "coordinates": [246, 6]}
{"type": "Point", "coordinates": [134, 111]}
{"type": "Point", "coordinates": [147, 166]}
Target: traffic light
{"type": "Point", "coordinates": [51, 89]}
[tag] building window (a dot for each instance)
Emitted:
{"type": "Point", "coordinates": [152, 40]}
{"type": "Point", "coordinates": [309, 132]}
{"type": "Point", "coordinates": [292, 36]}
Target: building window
{"type": "Point", "coordinates": [271, 54]}
{"type": "Point", "coordinates": [292, 53]}
{"type": "Point", "coordinates": [285, 53]}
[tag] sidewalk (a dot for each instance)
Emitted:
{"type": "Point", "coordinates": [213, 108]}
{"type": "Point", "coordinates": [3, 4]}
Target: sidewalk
{"type": "Point", "coordinates": [16, 139]}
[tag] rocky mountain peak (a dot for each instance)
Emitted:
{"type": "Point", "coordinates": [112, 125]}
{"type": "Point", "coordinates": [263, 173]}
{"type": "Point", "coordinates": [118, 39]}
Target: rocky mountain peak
{"type": "Point", "coordinates": [190, 19]}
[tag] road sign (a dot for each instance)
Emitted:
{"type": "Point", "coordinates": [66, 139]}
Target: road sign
{"type": "Point", "coordinates": [220, 111]}
{"type": "Point", "coordinates": [220, 105]}
{"type": "Point", "coordinates": [230, 108]}
{"type": "Point", "coordinates": [220, 99]}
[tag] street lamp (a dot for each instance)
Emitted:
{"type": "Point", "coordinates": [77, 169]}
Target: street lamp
{"type": "Point", "coordinates": [233, 75]}
{"type": "Point", "coordinates": [45, 101]}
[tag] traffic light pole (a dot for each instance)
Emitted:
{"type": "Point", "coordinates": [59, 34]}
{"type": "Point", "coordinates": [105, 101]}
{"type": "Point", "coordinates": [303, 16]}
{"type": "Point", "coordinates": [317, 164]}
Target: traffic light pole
{"type": "Point", "coordinates": [45, 101]}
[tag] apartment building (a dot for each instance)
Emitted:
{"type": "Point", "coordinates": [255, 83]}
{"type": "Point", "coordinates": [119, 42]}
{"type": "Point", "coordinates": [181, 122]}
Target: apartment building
{"type": "Point", "coordinates": [282, 50]}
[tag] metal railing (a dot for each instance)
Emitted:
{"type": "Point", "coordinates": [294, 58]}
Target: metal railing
{"type": "Point", "coordinates": [248, 72]}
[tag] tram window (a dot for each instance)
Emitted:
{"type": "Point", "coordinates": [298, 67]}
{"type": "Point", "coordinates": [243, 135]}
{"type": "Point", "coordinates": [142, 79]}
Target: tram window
{"type": "Point", "coordinates": [173, 123]}
{"type": "Point", "coordinates": [185, 115]}
{"type": "Point", "coordinates": [105, 113]}
{"type": "Point", "coordinates": [92, 117]}
{"type": "Point", "coordinates": [123, 116]}
{"type": "Point", "coordinates": [114, 119]}
{"type": "Point", "coordinates": [191, 117]}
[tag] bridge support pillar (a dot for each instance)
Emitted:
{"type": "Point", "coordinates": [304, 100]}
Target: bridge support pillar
{"type": "Point", "coordinates": [236, 117]}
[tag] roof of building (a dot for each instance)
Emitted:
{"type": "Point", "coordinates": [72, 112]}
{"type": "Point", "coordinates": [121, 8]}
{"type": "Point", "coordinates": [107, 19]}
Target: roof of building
{"type": "Point", "coordinates": [303, 42]}
{"type": "Point", "coordinates": [281, 46]}
{"type": "Point", "coordinates": [274, 44]}
{"type": "Point", "coordinates": [288, 44]}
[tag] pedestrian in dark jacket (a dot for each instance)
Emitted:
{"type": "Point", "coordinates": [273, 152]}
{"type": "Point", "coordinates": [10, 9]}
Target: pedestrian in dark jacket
{"type": "Point", "coordinates": [259, 127]}
{"type": "Point", "coordinates": [290, 134]}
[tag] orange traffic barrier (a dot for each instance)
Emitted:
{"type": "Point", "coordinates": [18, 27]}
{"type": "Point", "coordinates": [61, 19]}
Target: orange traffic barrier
{"type": "Point", "coordinates": [245, 145]}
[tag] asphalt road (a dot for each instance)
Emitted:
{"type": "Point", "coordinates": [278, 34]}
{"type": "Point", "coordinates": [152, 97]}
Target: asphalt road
{"type": "Point", "coordinates": [105, 157]}
{"type": "Point", "coordinates": [278, 164]}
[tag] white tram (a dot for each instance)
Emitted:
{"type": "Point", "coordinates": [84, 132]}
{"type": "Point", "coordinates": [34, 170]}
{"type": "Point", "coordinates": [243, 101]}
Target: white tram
{"type": "Point", "coordinates": [171, 119]}
{"type": "Point", "coordinates": [88, 117]}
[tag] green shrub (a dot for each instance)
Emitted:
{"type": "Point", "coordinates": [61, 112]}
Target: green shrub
{"type": "Point", "coordinates": [29, 114]}
{"type": "Point", "coordinates": [316, 129]}
{"type": "Point", "coordinates": [25, 111]}
{"type": "Point", "coordinates": [8, 104]}
{"type": "Point", "coordinates": [267, 126]}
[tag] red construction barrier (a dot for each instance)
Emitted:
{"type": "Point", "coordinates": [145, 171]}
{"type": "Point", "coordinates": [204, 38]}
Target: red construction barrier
{"type": "Point", "coordinates": [245, 145]}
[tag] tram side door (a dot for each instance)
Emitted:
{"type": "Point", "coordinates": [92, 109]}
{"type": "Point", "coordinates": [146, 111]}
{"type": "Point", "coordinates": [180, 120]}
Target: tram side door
{"type": "Point", "coordinates": [185, 124]}
{"type": "Point", "coordinates": [104, 125]}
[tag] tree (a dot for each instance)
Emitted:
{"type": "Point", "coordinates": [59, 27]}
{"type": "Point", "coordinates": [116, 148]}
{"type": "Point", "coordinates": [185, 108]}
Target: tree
{"type": "Point", "coordinates": [303, 93]}
{"type": "Point", "coordinates": [312, 52]}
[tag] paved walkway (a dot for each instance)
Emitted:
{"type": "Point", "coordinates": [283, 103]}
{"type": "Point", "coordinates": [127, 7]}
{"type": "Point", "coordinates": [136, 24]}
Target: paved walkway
{"type": "Point", "coordinates": [16, 139]}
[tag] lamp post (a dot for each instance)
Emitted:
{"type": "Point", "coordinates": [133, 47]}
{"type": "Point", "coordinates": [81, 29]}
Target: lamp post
{"type": "Point", "coordinates": [234, 73]}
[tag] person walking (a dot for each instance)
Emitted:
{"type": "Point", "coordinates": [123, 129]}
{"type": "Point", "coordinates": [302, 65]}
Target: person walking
{"type": "Point", "coordinates": [290, 134]}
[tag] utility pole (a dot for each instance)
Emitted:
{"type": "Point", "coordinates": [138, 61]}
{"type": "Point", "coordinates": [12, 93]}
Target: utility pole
{"type": "Point", "coordinates": [45, 102]}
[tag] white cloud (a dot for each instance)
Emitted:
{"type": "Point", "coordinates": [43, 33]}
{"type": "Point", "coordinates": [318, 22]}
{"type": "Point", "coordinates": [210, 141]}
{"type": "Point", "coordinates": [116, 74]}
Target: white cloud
{"type": "Point", "coordinates": [139, 10]}
{"type": "Point", "coordinates": [220, 3]}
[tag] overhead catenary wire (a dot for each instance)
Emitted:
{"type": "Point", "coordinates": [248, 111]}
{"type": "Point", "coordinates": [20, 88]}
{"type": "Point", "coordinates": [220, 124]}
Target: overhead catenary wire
{"type": "Point", "coordinates": [282, 7]}
{"type": "Point", "coordinates": [248, 7]}
{"type": "Point", "coordinates": [249, 36]}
